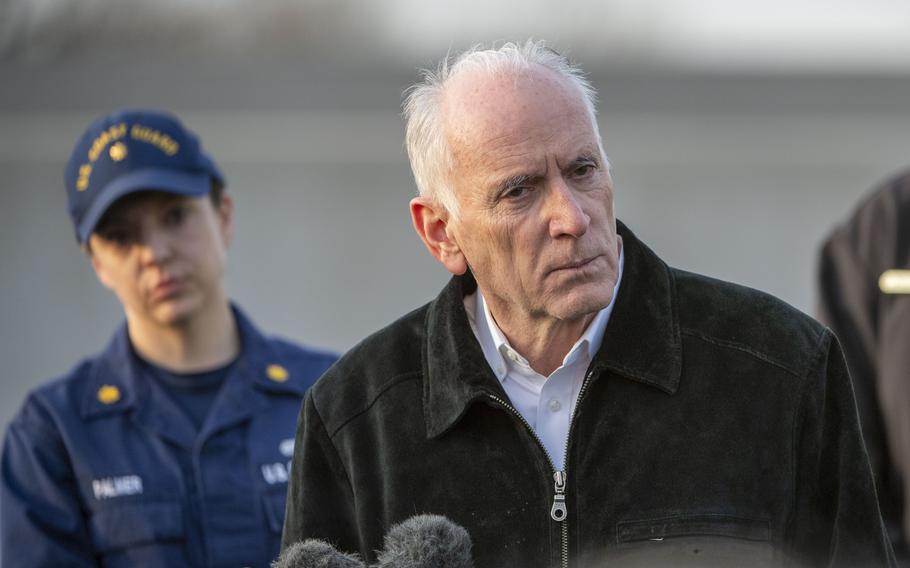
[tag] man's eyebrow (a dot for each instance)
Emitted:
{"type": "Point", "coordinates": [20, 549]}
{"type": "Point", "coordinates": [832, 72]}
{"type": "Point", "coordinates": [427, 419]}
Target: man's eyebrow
{"type": "Point", "coordinates": [512, 181]}
{"type": "Point", "coordinates": [586, 156]}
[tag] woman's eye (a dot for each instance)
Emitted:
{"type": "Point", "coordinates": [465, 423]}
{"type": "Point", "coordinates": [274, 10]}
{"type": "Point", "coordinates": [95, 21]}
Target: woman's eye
{"type": "Point", "coordinates": [118, 237]}
{"type": "Point", "coordinates": [175, 216]}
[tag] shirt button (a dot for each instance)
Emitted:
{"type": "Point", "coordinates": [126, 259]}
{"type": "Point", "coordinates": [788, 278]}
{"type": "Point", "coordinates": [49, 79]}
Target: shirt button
{"type": "Point", "coordinates": [513, 356]}
{"type": "Point", "coordinates": [554, 405]}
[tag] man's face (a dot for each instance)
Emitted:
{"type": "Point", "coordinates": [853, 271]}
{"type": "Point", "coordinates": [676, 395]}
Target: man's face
{"type": "Point", "coordinates": [163, 255]}
{"type": "Point", "coordinates": [536, 223]}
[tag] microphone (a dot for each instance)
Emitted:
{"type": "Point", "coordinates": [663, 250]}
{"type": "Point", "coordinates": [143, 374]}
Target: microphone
{"type": "Point", "coordinates": [426, 541]}
{"type": "Point", "coordinates": [313, 553]}
{"type": "Point", "coordinates": [422, 541]}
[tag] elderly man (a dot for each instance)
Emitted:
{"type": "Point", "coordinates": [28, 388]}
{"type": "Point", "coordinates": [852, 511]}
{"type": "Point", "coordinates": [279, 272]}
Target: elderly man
{"type": "Point", "coordinates": [569, 398]}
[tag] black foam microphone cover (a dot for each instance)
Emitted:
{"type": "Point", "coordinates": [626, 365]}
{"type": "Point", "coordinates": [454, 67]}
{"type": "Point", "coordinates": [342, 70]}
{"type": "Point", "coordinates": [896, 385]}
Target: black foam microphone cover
{"type": "Point", "coordinates": [426, 541]}
{"type": "Point", "coordinates": [314, 553]}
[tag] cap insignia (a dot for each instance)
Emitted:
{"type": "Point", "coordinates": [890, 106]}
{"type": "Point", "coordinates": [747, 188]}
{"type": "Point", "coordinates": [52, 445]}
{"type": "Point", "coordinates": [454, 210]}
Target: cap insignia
{"type": "Point", "coordinates": [118, 151]}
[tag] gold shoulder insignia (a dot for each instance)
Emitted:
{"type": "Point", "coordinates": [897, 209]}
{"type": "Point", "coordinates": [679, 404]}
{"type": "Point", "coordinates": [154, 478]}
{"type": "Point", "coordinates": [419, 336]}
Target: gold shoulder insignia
{"type": "Point", "coordinates": [108, 394]}
{"type": "Point", "coordinates": [277, 373]}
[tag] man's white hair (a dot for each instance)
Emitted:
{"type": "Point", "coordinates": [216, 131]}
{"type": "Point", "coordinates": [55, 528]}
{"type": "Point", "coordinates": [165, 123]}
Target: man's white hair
{"type": "Point", "coordinates": [428, 150]}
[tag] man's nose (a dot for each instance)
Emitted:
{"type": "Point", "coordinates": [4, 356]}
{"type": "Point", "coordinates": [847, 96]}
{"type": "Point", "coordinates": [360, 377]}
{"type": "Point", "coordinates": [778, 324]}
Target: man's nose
{"type": "Point", "coordinates": [155, 246]}
{"type": "Point", "coordinates": [567, 217]}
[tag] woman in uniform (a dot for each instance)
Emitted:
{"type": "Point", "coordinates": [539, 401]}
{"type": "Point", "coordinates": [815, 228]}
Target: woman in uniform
{"type": "Point", "coordinates": [171, 447]}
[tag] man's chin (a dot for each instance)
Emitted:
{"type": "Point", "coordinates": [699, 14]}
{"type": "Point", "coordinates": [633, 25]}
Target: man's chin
{"type": "Point", "coordinates": [577, 306]}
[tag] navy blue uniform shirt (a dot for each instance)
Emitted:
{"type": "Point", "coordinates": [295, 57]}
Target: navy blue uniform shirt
{"type": "Point", "coordinates": [102, 468]}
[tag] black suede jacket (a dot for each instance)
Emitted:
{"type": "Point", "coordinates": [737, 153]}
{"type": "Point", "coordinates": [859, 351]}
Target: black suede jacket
{"type": "Point", "coordinates": [717, 426]}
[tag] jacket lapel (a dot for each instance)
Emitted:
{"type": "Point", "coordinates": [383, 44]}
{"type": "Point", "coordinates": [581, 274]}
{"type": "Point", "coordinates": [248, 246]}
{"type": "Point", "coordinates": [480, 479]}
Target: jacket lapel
{"type": "Point", "coordinates": [454, 365]}
{"type": "Point", "coordinates": [642, 341]}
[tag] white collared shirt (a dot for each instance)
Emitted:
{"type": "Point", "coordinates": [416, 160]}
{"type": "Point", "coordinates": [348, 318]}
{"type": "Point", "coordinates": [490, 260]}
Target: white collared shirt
{"type": "Point", "coordinates": [547, 403]}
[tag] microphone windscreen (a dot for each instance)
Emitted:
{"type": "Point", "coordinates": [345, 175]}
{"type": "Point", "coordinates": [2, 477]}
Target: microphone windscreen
{"type": "Point", "coordinates": [313, 553]}
{"type": "Point", "coordinates": [426, 541]}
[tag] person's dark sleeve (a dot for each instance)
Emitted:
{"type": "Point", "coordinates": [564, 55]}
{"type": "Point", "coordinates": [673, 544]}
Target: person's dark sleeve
{"type": "Point", "coordinates": [836, 520]}
{"type": "Point", "coordinates": [320, 501]}
{"type": "Point", "coordinates": [41, 519]}
{"type": "Point", "coordinates": [849, 304]}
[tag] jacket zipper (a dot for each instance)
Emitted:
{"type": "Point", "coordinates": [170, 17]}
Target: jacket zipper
{"type": "Point", "coordinates": [558, 511]}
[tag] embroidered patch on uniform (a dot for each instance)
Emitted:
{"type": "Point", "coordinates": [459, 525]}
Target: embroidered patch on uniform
{"type": "Point", "coordinates": [894, 281]}
{"type": "Point", "coordinates": [108, 394]}
{"type": "Point", "coordinates": [276, 472]}
{"type": "Point", "coordinates": [277, 373]}
{"type": "Point", "coordinates": [286, 447]}
{"type": "Point", "coordinates": [110, 487]}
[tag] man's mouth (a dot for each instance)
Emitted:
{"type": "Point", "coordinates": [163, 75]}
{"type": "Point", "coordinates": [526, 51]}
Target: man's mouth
{"type": "Point", "coordinates": [577, 264]}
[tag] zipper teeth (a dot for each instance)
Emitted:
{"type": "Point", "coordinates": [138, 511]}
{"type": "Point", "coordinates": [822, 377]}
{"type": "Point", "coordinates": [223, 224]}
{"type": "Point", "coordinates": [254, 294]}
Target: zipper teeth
{"type": "Point", "coordinates": [564, 545]}
{"type": "Point", "coordinates": [564, 541]}
{"type": "Point", "coordinates": [565, 449]}
{"type": "Point", "coordinates": [581, 395]}
{"type": "Point", "coordinates": [512, 409]}
{"type": "Point", "coordinates": [565, 453]}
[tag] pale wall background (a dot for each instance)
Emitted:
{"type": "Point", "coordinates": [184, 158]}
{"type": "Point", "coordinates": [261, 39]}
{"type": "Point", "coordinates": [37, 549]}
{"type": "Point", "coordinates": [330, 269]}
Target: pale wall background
{"type": "Point", "coordinates": [738, 138]}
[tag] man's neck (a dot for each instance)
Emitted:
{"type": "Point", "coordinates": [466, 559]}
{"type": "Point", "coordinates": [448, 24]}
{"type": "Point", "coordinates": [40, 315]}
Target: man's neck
{"type": "Point", "coordinates": [544, 343]}
{"type": "Point", "coordinates": [206, 341]}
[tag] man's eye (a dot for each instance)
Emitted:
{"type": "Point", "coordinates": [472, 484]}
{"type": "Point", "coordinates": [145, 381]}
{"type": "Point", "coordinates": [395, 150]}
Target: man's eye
{"type": "Point", "coordinates": [516, 192]}
{"type": "Point", "coordinates": [584, 170]}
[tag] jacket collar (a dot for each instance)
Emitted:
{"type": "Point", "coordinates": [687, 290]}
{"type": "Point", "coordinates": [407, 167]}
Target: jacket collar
{"type": "Point", "coordinates": [118, 373]}
{"type": "Point", "coordinates": [641, 343]}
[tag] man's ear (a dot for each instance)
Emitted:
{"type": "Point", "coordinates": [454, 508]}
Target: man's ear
{"type": "Point", "coordinates": [431, 221]}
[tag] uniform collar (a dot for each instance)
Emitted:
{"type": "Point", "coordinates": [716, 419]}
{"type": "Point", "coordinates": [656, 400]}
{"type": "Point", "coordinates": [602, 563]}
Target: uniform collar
{"type": "Point", "coordinates": [642, 336]}
{"type": "Point", "coordinates": [116, 384]}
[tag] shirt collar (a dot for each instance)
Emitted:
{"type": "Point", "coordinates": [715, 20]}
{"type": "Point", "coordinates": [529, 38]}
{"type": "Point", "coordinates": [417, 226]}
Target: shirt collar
{"type": "Point", "coordinates": [495, 345]}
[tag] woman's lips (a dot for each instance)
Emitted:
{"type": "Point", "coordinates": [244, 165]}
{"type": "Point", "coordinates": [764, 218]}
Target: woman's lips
{"type": "Point", "coordinates": [167, 288]}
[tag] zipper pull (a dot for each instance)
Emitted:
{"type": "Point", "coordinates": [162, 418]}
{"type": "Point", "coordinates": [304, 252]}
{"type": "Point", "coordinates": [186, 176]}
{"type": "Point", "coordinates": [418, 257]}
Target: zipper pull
{"type": "Point", "coordinates": [558, 511]}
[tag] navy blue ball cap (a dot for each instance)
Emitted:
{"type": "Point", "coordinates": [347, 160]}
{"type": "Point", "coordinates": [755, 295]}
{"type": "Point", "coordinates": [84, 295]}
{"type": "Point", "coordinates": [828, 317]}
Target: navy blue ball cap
{"type": "Point", "coordinates": [129, 151]}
